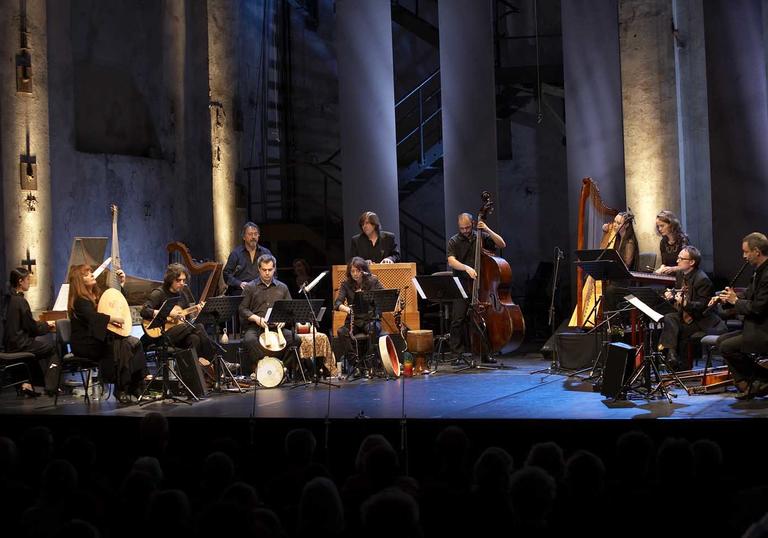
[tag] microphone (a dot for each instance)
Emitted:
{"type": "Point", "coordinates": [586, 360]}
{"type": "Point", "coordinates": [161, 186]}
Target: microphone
{"type": "Point", "coordinates": [306, 288]}
{"type": "Point", "coordinates": [365, 273]}
{"type": "Point", "coordinates": [559, 253]}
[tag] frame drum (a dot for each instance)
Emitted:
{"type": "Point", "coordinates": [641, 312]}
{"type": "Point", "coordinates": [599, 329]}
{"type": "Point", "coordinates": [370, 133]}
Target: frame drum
{"type": "Point", "coordinates": [388, 355]}
{"type": "Point", "coordinates": [420, 343]}
{"type": "Point", "coordinates": [270, 372]}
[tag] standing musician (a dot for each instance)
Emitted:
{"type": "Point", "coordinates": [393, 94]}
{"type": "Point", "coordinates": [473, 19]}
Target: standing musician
{"type": "Point", "coordinates": [359, 278]}
{"type": "Point", "coordinates": [260, 295]}
{"type": "Point", "coordinates": [374, 244]}
{"type": "Point", "coordinates": [737, 347]}
{"type": "Point", "coordinates": [693, 292]}
{"type": "Point", "coordinates": [461, 253]}
{"type": "Point", "coordinates": [20, 334]}
{"type": "Point", "coordinates": [182, 334]}
{"type": "Point", "coordinates": [121, 359]}
{"type": "Point", "coordinates": [241, 266]}
{"type": "Point", "coordinates": [673, 239]}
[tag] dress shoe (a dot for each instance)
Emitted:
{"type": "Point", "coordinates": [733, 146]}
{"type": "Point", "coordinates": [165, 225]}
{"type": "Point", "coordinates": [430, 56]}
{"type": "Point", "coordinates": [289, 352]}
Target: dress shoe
{"type": "Point", "coordinates": [487, 360]}
{"type": "Point", "coordinates": [673, 363]}
{"type": "Point", "coordinates": [28, 393]}
{"type": "Point", "coordinates": [759, 389]}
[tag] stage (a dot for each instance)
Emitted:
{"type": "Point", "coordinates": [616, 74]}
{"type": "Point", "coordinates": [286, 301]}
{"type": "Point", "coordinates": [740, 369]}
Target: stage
{"type": "Point", "coordinates": [513, 392]}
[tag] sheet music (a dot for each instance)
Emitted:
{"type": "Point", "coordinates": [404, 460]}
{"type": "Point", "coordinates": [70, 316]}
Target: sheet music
{"type": "Point", "coordinates": [644, 308]}
{"type": "Point", "coordinates": [269, 313]}
{"type": "Point", "coordinates": [461, 288]}
{"type": "Point", "coordinates": [61, 299]}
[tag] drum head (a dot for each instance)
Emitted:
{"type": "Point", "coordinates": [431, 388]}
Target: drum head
{"type": "Point", "coordinates": [270, 372]}
{"type": "Point", "coordinates": [388, 355]}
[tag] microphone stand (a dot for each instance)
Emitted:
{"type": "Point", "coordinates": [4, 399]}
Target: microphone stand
{"type": "Point", "coordinates": [554, 367]}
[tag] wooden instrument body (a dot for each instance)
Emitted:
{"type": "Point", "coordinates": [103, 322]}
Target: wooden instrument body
{"type": "Point", "coordinates": [112, 302]}
{"type": "Point", "coordinates": [503, 319]}
{"type": "Point", "coordinates": [176, 311]}
{"type": "Point", "coordinates": [273, 340]}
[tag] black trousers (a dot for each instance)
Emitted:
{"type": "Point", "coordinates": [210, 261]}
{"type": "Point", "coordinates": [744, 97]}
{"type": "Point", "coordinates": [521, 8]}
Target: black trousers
{"type": "Point", "coordinates": [256, 352]}
{"type": "Point", "coordinates": [676, 333]}
{"type": "Point", "coordinates": [44, 368]}
{"type": "Point", "coordinates": [363, 327]}
{"type": "Point", "coordinates": [187, 336]}
{"type": "Point", "coordinates": [743, 366]}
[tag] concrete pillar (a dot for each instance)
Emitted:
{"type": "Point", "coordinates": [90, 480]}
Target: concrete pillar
{"type": "Point", "coordinates": [738, 125]}
{"type": "Point", "coordinates": [693, 126]}
{"type": "Point", "coordinates": [591, 66]}
{"type": "Point", "coordinates": [367, 113]}
{"type": "Point", "coordinates": [468, 108]}
{"type": "Point", "coordinates": [650, 108]}
{"type": "Point", "coordinates": [25, 146]}
{"type": "Point", "coordinates": [222, 82]}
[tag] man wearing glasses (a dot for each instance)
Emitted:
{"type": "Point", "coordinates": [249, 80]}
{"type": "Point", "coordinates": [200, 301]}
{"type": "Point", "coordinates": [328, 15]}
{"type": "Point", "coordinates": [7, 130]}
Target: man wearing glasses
{"type": "Point", "coordinates": [693, 290]}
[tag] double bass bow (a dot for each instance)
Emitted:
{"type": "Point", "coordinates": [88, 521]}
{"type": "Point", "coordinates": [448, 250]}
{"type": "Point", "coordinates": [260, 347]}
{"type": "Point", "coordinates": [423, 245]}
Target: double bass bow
{"type": "Point", "coordinates": [494, 311]}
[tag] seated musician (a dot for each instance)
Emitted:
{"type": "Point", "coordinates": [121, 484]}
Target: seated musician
{"type": "Point", "coordinates": [621, 237]}
{"type": "Point", "coordinates": [20, 335]}
{"type": "Point", "coordinates": [359, 278]}
{"type": "Point", "coordinates": [742, 349]}
{"type": "Point", "coordinates": [374, 244]}
{"type": "Point", "coordinates": [693, 292]}
{"type": "Point", "coordinates": [241, 266]}
{"type": "Point", "coordinates": [461, 258]}
{"type": "Point", "coordinates": [259, 296]}
{"type": "Point", "coordinates": [673, 239]}
{"type": "Point", "coordinates": [121, 359]}
{"type": "Point", "coordinates": [181, 333]}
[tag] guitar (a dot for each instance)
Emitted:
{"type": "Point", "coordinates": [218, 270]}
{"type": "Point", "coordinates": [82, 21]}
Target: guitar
{"type": "Point", "coordinates": [174, 318]}
{"type": "Point", "coordinates": [112, 302]}
{"type": "Point", "coordinates": [273, 340]}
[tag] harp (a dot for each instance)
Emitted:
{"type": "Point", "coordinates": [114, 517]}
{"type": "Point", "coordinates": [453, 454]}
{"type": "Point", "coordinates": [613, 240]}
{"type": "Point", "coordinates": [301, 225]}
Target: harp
{"type": "Point", "coordinates": [592, 214]}
{"type": "Point", "coordinates": [205, 276]}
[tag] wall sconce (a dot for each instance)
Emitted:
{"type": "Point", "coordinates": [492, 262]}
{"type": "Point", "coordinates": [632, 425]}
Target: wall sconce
{"type": "Point", "coordinates": [31, 202]}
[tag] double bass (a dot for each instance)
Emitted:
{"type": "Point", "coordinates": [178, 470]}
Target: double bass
{"type": "Point", "coordinates": [492, 306]}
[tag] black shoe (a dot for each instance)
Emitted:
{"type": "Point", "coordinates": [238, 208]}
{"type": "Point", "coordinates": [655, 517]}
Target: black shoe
{"type": "Point", "coordinates": [488, 360]}
{"type": "Point", "coordinates": [673, 363]}
{"type": "Point", "coordinates": [759, 389]}
{"type": "Point", "coordinates": [29, 393]}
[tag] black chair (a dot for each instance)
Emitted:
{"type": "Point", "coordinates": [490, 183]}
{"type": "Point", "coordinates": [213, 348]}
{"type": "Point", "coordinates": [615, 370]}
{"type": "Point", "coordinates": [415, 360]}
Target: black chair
{"type": "Point", "coordinates": [11, 361]}
{"type": "Point", "coordinates": [70, 362]}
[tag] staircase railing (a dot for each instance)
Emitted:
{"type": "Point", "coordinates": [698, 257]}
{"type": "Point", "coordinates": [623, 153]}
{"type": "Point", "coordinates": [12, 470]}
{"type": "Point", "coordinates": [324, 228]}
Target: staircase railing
{"type": "Point", "coordinates": [431, 240]}
{"type": "Point", "coordinates": [419, 114]}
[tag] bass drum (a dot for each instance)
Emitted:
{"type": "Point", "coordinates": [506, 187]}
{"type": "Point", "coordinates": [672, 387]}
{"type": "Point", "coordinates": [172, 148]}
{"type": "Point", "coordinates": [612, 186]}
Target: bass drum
{"type": "Point", "coordinates": [388, 355]}
{"type": "Point", "coordinates": [270, 372]}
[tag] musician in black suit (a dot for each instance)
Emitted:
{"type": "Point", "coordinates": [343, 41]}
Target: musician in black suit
{"type": "Point", "coordinates": [121, 359]}
{"type": "Point", "coordinates": [741, 349]}
{"type": "Point", "coordinates": [183, 334]}
{"type": "Point", "coordinates": [21, 333]}
{"type": "Point", "coordinates": [691, 303]}
{"type": "Point", "coordinates": [461, 258]}
{"type": "Point", "coordinates": [260, 295]}
{"type": "Point", "coordinates": [374, 244]}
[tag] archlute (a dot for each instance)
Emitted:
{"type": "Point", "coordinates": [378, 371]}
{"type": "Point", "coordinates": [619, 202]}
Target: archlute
{"type": "Point", "coordinates": [112, 302]}
{"type": "Point", "coordinates": [174, 318]}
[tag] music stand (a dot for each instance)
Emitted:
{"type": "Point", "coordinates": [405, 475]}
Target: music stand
{"type": "Point", "coordinates": [292, 312]}
{"type": "Point", "coordinates": [374, 302]}
{"type": "Point", "coordinates": [443, 290]}
{"type": "Point", "coordinates": [650, 357]}
{"type": "Point", "coordinates": [159, 321]}
{"type": "Point", "coordinates": [216, 310]}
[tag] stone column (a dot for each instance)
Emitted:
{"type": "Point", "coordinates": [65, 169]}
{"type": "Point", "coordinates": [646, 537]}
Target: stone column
{"type": "Point", "coordinates": [222, 81]}
{"type": "Point", "coordinates": [468, 107]}
{"type": "Point", "coordinates": [650, 111]}
{"type": "Point", "coordinates": [693, 126]}
{"type": "Point", "coordinates": [25, 146]}
{"type": "Point", "coordinates": [367, 113]}
{"type": "Point", "coordinates": [592, 72]}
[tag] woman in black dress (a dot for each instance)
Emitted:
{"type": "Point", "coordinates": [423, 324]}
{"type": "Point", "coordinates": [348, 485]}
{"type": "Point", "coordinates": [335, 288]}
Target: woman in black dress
{"type": "Point", "coordinates": [121, 359]}
{"type": "Point", "coordinates": [673, 239]}
{"type": "Point", "coordinates": [21, 332]}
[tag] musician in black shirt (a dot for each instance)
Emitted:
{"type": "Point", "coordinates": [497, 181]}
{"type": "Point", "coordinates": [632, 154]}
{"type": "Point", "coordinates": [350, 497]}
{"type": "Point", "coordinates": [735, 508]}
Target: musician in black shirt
{"type": "Point", "coordinates": [241, 266]}
{"type": "Point", "coordinates": [461, 258]}
{"type": "Point", "coordinates": [260, 295]}
{"type": "Point", "coordinates": [359, 278]}
{"type": "Point", "coordinates": [374, 245]}
{"type": "Point", "coordinates": [21, 332]}
{"type": "Point", "coordinates": [182, 334]}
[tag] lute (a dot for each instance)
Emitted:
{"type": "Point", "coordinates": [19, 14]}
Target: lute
{"type": "Point", "coordinates": [112, 302]}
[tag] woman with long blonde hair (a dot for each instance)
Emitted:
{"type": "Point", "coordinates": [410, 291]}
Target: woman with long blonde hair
{"type": "Point", "coordinates": [121, 359]}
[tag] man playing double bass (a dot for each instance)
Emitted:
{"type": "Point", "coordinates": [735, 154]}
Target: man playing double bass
{"type": "Point", "coordinates": [461, 258]}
